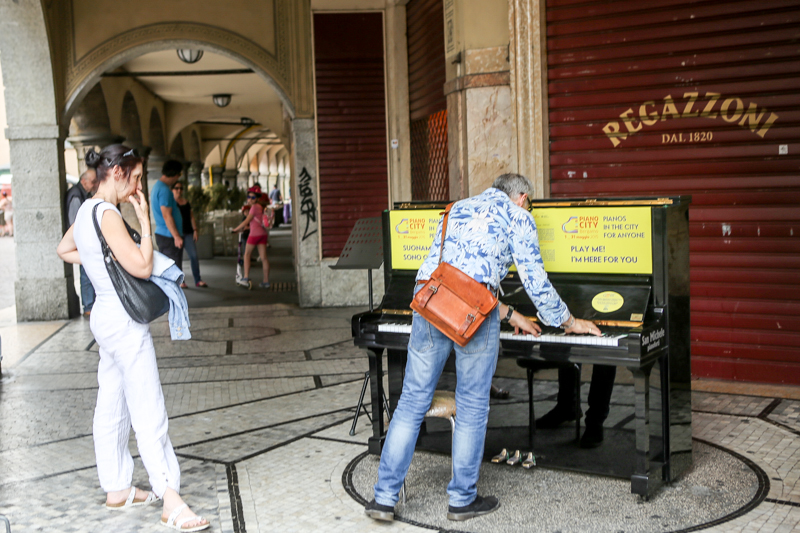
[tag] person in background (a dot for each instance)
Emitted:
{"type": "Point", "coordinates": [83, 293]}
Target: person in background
{"type": "Point", "coordinates": [190, 232]}
{"type": "Point", "coordinates": [169, 222]}
{"type": "Point", "coordinates": [257, 239]}
{"type": "Point", "coordinates": [276, 198]}
{"type": "Point", "coordinates": [599, 403]}
{"type": "Point", "coordinates": [287, 210]}
{"type": "Point", "coordinates": [8, 212]}
{"type": "Point", "coordinates": [73, 200]}
{"type": "Point", "coordinates": [268, 213]}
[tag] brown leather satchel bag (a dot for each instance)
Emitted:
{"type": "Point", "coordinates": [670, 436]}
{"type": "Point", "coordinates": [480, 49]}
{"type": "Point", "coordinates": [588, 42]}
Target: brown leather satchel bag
{"type": "Point", "coordinates": [452, 301]}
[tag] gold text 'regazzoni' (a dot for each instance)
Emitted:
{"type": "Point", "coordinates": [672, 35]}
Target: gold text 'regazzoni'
{"type": "Point", "coordinates": [711, 106]}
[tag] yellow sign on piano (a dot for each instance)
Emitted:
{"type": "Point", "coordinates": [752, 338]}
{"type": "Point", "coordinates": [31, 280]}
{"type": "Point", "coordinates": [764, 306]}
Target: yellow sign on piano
{"type": "Point", "coordinates": [412, 232]}
{"type": "Point", "coordinates": [595, 239]}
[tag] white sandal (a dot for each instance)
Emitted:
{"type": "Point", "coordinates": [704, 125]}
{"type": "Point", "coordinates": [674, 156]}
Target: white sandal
{"type": "Point", "coordinates": [128, 503]}
{"type": "Point", "coordinates": [178, 526]}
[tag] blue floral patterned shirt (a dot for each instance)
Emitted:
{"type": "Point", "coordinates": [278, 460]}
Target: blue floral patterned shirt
{"type": "Point", "coordinates": [488, 233]}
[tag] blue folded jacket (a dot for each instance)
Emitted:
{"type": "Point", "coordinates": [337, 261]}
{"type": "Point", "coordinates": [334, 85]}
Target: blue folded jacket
{"type": "Point", "coordinates": [170, 282]}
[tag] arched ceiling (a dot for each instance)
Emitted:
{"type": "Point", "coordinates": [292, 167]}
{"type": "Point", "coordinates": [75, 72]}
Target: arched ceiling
{"type": "Point", "coordinates": [187, 91]}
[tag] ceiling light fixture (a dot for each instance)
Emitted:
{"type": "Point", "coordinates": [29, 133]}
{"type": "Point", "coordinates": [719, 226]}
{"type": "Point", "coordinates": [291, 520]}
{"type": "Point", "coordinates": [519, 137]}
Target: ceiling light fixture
{"type": "Point", "coordinates": [221, 100]}
{"type": "Point", "coordinates": [188, 55]}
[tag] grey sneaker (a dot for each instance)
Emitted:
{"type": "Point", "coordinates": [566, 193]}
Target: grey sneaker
{"type": "Point", "coordinates": [264, 285]}
{"type": "Point", "coordinates": [377, 511]}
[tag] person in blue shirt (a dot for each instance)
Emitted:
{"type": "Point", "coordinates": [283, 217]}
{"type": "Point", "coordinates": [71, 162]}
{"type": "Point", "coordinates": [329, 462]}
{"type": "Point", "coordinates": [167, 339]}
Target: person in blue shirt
{"type": "Point", "coordinates": [167, 214]}
{"type": "Point", "coordinates": [485, 235]}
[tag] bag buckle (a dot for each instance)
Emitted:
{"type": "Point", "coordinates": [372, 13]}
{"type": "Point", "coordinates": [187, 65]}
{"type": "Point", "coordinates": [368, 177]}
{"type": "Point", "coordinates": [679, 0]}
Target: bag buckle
{"type": "Point", "coordinates": [470, 317]}
{"type": "Point", "coordinates": [433, 288]}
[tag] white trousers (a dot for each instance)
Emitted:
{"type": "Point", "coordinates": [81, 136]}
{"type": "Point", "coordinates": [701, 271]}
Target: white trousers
{"type": "Point", "coordinates": [130, 394]}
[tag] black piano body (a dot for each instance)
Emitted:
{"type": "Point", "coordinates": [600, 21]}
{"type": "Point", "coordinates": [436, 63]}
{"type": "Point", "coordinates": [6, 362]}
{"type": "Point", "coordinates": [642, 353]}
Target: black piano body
{"type": "Point", "coordinates": [650, 330]}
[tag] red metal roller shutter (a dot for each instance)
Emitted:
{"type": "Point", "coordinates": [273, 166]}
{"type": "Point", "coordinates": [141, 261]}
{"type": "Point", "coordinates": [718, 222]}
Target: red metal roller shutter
{"type": "Point", "coordinates": [658, 97]}
{"type": "Point", "coordinates": [427, 102]}
{"type": "Point", "coordinates": [351, 123]}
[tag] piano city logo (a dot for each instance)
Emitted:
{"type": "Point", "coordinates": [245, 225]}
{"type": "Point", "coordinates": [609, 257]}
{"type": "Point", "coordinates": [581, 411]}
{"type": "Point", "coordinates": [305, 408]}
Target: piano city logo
{"type": "Point", "coordinates": [411, 236]}
{"type": "Point", "coordinates": [582, 227]}
{"type": "Point", "coordinates": [408, 225]}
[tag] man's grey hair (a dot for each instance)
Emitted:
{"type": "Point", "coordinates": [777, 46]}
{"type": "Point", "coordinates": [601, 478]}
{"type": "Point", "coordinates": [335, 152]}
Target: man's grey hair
{"type": "Point", "coordinates": [87, 174]}
{"type": "Point", "coordinates": [513, 185]}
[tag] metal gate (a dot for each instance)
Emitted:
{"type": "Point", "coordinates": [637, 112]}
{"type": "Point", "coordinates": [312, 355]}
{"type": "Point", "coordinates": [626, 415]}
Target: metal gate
{"type": "Point", "coordinates": [427, 102]}
{"type": "Point", "coordinates": [351, 123]}
{"type": "Point", "coordinates": [660, 97]}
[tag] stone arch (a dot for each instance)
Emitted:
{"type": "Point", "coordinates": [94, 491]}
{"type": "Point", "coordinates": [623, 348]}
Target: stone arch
{"type": "Point", "coordinates": [214, 156]}
{"type": "Point", "coordinates": [131, 123]}
{"type": "Point", "coordinates": [135, 43]}
{"type": "Point", "coordinates": [263, 162]}
{"type": "Point", "coordinates": [91, 116]}
{"type": "Point", "coordinates": [177, 150]}
{"type": "Point", "coordinates": [156, 133]}
{"type": "Point", "coordinates": [246, 150]}
{"type": "Point", "coordinates": [195, 149]}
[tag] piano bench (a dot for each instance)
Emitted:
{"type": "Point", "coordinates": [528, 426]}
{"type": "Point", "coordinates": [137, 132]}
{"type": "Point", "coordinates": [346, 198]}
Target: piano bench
{"type": "Point", "coordinates": [532, 366]}
{"type": "Point", "coordinates": [443, 405]}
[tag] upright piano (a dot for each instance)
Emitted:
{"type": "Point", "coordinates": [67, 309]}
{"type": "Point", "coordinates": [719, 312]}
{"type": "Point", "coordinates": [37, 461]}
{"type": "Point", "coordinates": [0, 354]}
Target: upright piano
{"type": "Point", "coordinates": [620, 262]}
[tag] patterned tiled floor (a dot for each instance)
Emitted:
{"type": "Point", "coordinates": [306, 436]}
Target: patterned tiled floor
{"type": "Point", "coordinates": [260, 406]}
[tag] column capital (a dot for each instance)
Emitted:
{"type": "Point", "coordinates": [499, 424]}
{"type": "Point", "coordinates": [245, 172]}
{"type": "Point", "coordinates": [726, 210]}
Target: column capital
{"type": "Point", "coordinates": [33, 132]}
{"type": "Point", "coordinates": [94, 139]}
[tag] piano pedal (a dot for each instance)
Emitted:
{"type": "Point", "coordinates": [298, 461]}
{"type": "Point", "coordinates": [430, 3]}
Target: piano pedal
{"type": "Point", "coordinates": [514, 459]}
{"type": "Point", "coordinates": [529, 462]}
{"type": "Point", "coordinates": [501, 457]}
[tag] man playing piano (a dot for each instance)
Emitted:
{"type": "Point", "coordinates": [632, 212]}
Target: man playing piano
{"type": "Point", "coordinates": [485, 235]}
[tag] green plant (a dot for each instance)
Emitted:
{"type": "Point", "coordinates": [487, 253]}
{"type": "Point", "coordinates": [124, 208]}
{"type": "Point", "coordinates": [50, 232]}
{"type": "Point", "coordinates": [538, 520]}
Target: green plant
{"type": "Point", "coordinates": [199, 199]}
{"type": "Point", "coordinates": [220, 197]}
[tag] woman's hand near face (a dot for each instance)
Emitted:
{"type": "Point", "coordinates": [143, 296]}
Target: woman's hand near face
{"type": "Point", "coordinates": [139, 202]}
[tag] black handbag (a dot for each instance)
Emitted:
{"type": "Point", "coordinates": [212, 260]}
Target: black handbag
{"type": "Point", "coordinates": [142, 299]}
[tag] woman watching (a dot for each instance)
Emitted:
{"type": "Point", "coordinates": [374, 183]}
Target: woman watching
{"type": "Point", "coordinates": [129, 390]}
{"type": "Point", "coordinates": [189, 233]}
{"type": "Point", "coordinates": [257, 239]}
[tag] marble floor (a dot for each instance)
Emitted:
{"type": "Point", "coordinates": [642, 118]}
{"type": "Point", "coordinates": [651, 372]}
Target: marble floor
{"type": "Point", "coordinates": [261, 402]}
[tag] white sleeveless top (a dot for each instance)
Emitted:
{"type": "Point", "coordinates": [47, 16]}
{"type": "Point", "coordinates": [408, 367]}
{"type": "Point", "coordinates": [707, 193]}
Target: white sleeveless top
{"type": "Point", "coordinates": [91, 254]}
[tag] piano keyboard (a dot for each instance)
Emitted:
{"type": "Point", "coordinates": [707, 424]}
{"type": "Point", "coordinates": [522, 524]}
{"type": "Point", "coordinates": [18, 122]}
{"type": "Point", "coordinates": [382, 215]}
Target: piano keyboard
{"type": "Point", "coordinates": [558, 338]}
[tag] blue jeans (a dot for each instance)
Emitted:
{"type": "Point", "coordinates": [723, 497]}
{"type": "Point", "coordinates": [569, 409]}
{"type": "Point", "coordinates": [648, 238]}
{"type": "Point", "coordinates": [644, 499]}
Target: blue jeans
{"type": "Point", "coordinates": [428, 350]}
{"type": "Point", "coordinates": [191, 248]}
{"type": "Point", "coordinates": [87, 291]}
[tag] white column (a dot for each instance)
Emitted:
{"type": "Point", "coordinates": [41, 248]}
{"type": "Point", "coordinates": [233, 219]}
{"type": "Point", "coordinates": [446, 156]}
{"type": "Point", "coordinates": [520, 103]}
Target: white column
{"type": "Point", "coordinates": [305, 201]}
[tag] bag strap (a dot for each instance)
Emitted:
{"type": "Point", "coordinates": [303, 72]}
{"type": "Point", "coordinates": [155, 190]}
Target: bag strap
{"type": "Point", "coordinates": [103, 244]}
{"type": "Point", "coordinates": [444, 230]}
{"type": "Point", "coordinates": [132, 232]}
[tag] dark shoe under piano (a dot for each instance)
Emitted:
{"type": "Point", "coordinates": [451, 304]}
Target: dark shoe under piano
{"type": "Point", "coordinates": [556, 417]}
{"type": "Point", "coordinates": [592, 436]}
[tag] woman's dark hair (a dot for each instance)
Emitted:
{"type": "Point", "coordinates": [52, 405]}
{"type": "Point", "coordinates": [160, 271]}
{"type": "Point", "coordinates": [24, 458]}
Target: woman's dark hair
{"type": "Point", "coordinates": [111, 156]}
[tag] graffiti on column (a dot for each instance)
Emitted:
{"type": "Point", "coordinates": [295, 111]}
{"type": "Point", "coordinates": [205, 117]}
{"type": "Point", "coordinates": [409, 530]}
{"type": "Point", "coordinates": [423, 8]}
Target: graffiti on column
{"type": "Point", "coordinates": [307, 207]}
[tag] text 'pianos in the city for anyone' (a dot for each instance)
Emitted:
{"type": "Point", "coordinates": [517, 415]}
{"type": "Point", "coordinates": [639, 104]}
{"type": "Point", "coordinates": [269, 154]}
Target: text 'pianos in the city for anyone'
{"type": "Point", "coordinates": [620, 262]}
